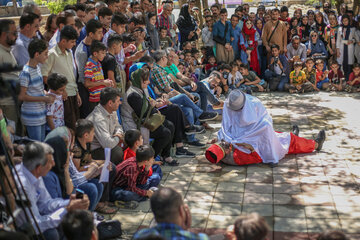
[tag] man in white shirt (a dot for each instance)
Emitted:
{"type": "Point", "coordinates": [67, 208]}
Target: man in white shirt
{"type": "Point", "coordinates": [48, 212]}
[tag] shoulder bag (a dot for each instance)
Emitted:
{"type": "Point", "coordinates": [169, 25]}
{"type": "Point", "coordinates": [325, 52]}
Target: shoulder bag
{"type": "Point", "coordinates": [152, 122]}
{"type": "Point", "coordinates": [222, 40]}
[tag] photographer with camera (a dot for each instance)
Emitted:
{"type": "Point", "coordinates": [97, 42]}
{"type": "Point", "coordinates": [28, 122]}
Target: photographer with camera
{"type": "Point", "coordinates": [277, 74]}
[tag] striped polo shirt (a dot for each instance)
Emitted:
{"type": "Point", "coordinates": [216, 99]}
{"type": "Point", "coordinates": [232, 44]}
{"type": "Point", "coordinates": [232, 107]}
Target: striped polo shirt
{"type": "Point", "coordinates": [33, 113]}
{"type": "Point", "coordinates": [94, 72]}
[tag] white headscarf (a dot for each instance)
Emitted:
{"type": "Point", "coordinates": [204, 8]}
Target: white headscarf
{"type": "Point", "coordinates": [253, 125]}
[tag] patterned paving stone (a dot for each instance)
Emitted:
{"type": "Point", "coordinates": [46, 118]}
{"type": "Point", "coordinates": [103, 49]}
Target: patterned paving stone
{"type": "Point", "coordinates": [305, 194]}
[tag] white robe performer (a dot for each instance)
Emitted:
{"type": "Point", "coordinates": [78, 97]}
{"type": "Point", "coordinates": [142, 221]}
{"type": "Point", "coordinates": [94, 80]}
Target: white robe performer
{"type": "Point", "coordinates": [245, 120]}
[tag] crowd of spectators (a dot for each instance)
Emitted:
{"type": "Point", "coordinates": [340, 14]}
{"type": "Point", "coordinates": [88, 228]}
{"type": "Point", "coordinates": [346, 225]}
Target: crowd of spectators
{"type": "Point", "coordinates": [118, 77]}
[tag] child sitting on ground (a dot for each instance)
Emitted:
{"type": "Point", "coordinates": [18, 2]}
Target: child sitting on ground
{"type": "Point", "coordinates": [310, 73]}
{"type": "Point", "coordinates": [322, 80]}
{"type": "Point", "coordinates": [251, 79]}
{"type": "Point", "coordinates": [235, 79]}
{"type": "Point", "coordinates": [336, 78]}
{"type": "Point", "coordinates": [297, 79]}
{"type": "Point", "coordinates": [94, 76]}
{"type": "Point", "coordinates": [353, 85]}
{"type": "Point", "coordinates": [132, 182]}
{"type": "Point", "coordinates": [133, 140]}
{"type": "Point", "coordinates": [211, 66]}
{"type": "Point", "coordinates": [55, 111]}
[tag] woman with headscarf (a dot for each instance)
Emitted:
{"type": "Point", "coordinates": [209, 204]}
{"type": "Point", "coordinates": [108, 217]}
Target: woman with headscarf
{"type": "Point", "coordinates": [58, 181]}
{"type": "Point", "coordinates": [315, 47]}
{"type": "Point", "coordinates": [331, 33]}
{"type": "Point", "coordinates": [187, 25]}
{"type": "Point", "coordinates": [84, 181]}
{"type": "Point", "coordinates": [305, 28]}
{"type": "Point", "coordinates": [261, 49]}
{"type": "Point", "coordinates": [248, 128]}
{"type": "Point", "coordinates": [319, 26]}
{"type": "Point", "coordinates": [137, 95]}
{"type": "Point", "coordinates": [345, 46]}
{"type": "Point", "coordinates": [248, 43]}
{"type": "Point", "coordinates": [153, 43]}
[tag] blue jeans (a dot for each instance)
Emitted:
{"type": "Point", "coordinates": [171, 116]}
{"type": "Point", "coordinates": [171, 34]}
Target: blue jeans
{"type": "Point", "coordinates": [189, 114]}
{"type": "Point", "coordinates": [283, 79]}
{"type": "Point", "coordinates": [320, 84]}
{"type": "Point", "coordinates": [36, 132]}
{"type": "Point", "coordinates": [127, 196]}
{"type": "Point", "coordinates": [183, 100]}
{"type": "Point", "coordinates": [94, 190]}
{"type": "Point", "coordinates": [205, 95]}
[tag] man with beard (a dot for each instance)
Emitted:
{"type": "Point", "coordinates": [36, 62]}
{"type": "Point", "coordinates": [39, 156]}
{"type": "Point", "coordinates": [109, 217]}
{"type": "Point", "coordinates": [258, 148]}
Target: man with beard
{"type": "Point", "coordinates": [8, 36]}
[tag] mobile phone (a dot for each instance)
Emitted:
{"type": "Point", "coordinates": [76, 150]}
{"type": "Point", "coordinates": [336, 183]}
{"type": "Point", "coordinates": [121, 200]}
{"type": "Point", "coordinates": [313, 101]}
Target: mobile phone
{"type": "Point", "coordinates": [79, 193]}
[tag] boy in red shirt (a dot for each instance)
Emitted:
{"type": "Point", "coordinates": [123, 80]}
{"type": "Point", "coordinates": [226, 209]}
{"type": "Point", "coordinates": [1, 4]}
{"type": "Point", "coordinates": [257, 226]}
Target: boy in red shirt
{"type": "Point", "coordinates": [132, 181]}
{"type": "Point", "coordinates": [353, 85]}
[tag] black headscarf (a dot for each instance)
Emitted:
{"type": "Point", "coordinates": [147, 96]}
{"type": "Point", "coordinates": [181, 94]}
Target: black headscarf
{"type": "Point", "coordinates": [60, 157]}
{"type": "Point", "coordinates": [185, 19]}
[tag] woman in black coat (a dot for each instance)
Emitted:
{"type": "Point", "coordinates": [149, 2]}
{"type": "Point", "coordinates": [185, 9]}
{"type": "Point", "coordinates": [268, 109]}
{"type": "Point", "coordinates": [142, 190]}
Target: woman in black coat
{"type": "Point", "coordinates": [187, 25]}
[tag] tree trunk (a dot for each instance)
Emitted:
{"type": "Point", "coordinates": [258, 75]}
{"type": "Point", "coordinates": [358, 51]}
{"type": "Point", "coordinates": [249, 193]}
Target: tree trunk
{"type": "Point", "coordinates": [338, 4]}
{"type": "Point", "coordinates": [205, 4]}
{"type": "Point", "coordinates": [356, 7]}
{"type": "Point", "coordinates": [15, 7]}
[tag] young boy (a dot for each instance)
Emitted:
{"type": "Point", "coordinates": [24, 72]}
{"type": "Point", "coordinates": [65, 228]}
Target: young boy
{"type": "Point", "coordinates": [211, 66]}
{"type": "Point", "coordinates": [251, 79]}
{"type": "Point", "coordinates": [94, 76]}
{"type": "Point", "coordinates": [336, 77]}
{"type": "Point", "coordinates": [33, 109]}
{"type": "Point", "coordinates": [110, 65]}
{"type": "Point", "coordinates": [165, 40]}
{"type": "Point", "coordinates": [55, 111]}
{"type": "Point", "coordinates": [132, 182]}
{"type": "Point", "coordinates": [61, 61]}
{"type": "Point", "coordinates": [310, 73]}
{"type": "Point", "coordinates": [297, 79]}
{"type": "Point", "coordinates": [235, 79]}
{"type": "Point", "coordinates": [322, 80]}
{"type": "Point", "coordinates": [353, 85]}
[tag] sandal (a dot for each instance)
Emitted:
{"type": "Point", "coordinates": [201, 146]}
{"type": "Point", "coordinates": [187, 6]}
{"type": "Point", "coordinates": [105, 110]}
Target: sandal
{"type": "Point", "coordinates": [126, 205]}
{"type": "Point", "coordinates": [103, 208]}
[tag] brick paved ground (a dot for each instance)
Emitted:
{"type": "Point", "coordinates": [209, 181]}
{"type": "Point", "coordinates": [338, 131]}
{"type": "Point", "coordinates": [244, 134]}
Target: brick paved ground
{"type": "Point", "coordinates": [305, 195]}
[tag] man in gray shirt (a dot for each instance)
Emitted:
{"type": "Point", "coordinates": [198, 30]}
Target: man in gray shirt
{"type": "Point", "coordinates": [108, 131]}
{"type": "Point", "coordinates": [296, 51]}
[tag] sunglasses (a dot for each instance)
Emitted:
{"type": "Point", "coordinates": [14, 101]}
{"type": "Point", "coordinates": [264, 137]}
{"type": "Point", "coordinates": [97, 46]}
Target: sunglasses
{"type": "Point", "coordinates": [313, 35]}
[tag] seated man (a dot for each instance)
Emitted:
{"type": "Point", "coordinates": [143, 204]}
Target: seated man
{"type": "Point", "coordinates": [48, 212]}
{"type": "Point", "coordinates": [277, 74]}
{"type": "Point", "coordinates": [108, 131]}
{"type": "Point", "coordinates": [296, 51]}
{"type": "Point", "coordinates": [248, 127]}
{"type": "Point", "coordinates": [132, 182]}
{"type": "Point", "coordinates": [172, 215]}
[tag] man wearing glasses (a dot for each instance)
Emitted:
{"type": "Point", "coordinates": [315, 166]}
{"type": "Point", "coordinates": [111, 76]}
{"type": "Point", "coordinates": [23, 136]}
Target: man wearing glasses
{"type": "Point", "coordinates": [8, 36]}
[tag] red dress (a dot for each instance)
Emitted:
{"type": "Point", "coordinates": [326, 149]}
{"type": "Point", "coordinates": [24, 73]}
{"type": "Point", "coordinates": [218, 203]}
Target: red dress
{"type": "Point", "coordinates": [249, 37]}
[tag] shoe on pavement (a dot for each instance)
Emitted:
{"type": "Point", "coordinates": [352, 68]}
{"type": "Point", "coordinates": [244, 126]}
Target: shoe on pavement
{"type": "Point", "coordinates": [320, 139]}
{"type": "Point", "coordinates": [183, 153]}
{"type": "Point", "coordinates": [207, 116]}
{"type": "Point", "coordinates": [196, 143]}
{"type": "Point", "coordinates": [296, 130]}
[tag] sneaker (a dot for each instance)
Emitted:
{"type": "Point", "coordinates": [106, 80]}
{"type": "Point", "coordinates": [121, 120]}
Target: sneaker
{"type": "Point", "coordinates": [194, 129]}
{"type": "Point", "coordinates": [207, 116]}
{"type": "Point", "coordinates": [199, 129]}
{"type": "Point", "coordinates": [249, 91]}
{"type": "Point", "coordinates": [196, 143]}
{"type": "Point", "coordinates": [183, 153]}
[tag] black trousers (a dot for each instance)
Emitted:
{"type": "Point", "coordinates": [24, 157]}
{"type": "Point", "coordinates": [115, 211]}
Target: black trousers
{"type": "Point", "coordinates": [174, 114]}
{"type": "Point", "coordinates": [163, 137]}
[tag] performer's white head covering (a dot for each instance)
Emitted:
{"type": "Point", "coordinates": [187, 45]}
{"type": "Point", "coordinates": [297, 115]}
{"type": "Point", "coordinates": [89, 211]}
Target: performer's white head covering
{"type": "Point", "coordinates": [236, 100]}
{"type": "Point", "coordinates": [245, 120]}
